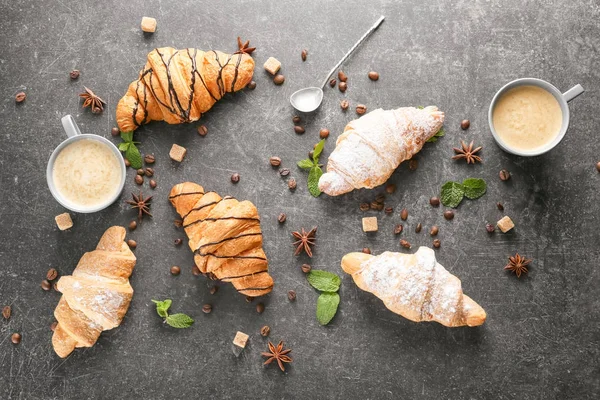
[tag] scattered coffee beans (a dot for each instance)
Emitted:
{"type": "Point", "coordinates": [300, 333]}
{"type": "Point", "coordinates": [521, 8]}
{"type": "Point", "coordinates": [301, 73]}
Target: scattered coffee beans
{"type": "Point", "coordinates": [373, 75]}
{"type": "Point", "coordinates": [465, 124]}
{"type": "Point", "coordinates": [235, 177]}
{"type": "Point", "coordinates": [449, 214]}
{"type": "Point", "coordinates": [175, 270]}
{"type": "Point", "coordinates": [504, 175]}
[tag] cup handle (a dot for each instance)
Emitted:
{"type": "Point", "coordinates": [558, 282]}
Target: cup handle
{"type": "Point", "coordinates": [573, 92]}
{"type": "Point", "coordinates": [69, 125]}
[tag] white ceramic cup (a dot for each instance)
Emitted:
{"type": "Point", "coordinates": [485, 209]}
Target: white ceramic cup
{"type": "Point", "coordinates": [74, 134]}
{"type": "Point", "coordinates": [562, 98]}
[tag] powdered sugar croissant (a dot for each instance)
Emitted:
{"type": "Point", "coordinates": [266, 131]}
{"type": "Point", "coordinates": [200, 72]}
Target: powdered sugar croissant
{"type": "Point", "coordinates": [415, 286]}
{"type": "Point", "coordinates": [96, 297]}
{"type": "Point", "coordinates": [373, 146]}
{"type": "Point", "coordinates": [180, 85]}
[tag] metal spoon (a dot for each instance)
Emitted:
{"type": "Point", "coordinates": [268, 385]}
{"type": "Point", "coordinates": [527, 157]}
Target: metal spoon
{"type": "Point", "coordinates": [310, 98]}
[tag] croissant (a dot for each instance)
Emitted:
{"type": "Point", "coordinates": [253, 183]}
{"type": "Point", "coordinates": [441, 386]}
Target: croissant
{"type": "Point", "coordinates": [414, 286]}
{"type": "Point", "coordinates": [96, 297]}
{"type": "Point", "coordinates": [180, 85]}
{"type": "Point", "coordinates": [225, 236]}
{"type": "Point", "coordinates": [373, 146]}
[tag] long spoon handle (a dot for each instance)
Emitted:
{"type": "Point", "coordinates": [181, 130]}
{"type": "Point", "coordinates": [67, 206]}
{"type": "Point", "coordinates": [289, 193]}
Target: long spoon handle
{"type": "Point", "coordinates": [362, 39]}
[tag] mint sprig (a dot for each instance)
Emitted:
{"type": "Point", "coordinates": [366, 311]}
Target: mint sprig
{"type": "Point", "coordinates": [314, 169]}
{"type": "Point", "coordinates": [454, 192]}
{"type": "Point", "coordinates": [328, 283]}
{"type": "Point", "coordinates": [128, 146]}
{"type": "Point", "coordinates": [435, 137]}
{"type": "Point", "coordinates": [175, 320]}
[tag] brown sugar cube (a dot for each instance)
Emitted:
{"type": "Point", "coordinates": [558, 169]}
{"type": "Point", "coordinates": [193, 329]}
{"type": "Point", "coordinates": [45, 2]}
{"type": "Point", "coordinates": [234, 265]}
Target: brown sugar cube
{"type": "Point", "coordinates": [149, 24]}
{"type": "Point", "coordinates": [239, 343]}
{"type": "Point", "coordinates": [64, 221]}
{"type": "Point", "coordinates": [369, 224]}
{"type": "Point", "coordinates": [177, 153]}
{"type": "Point", "coordinates": [272, 65]}
{"type": "Point", "coordinates": [505, 224]}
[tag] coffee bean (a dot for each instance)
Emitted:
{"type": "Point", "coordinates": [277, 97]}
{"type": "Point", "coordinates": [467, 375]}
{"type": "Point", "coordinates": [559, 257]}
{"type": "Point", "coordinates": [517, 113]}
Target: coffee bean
{"type": "Point", "coordinates": [53, 326]}
{"type": "Point", "coordinates": [437, 243]}
{"type": "Point", "coordinates": [405, 243]}
{"type": "Point", "coordinates": [175, 270]}
{"type": "Point", "coordinates": [281, 218]}
{"type": "Point", "coordinates": [284, 171]}
{"type": "Point", "coordinates": [342, 76]}
{"type": "Point", "coordinates": [127, 163]}
{"type": "Point", "coordinates": [296, 119]}
{"type": "Point", "coordinates": [465, 124]}
{"type": "Point", "coordinates": [139, 179]}
{"type": "Point", "coordinates": [149, 172]}
{"type": "Point", "coordinates": [279, 79]}
{"type": "Point", "coordinates": [249, 299]}
{"type": "Point", "coordinates": [373, 75]}
{"type": "Point", "coordinates": [292, 295]}
{"type": "Point", "coordinates": [398, 229]}
{"type": "Point", "coordinates": [140, 171]}
{"type": "Point", "coordinates": [404, 214]}
{"type": "Point", "coordinates": [55, 286]}
{"type": "Point", "coordinates": [332, 82]}
{"type": "Point", "coordinates": [115, 131]}
{"type": "Point", "coordinates": [344, 104]}
{"type": "Point", "coordinates": [366, 250]}
{"type": "Point", "coordinates": [265, 330]}
{"type": "Point", "coordinates": [292, 183]}
{"type": "Point", "coordinates": [20, 97]}
{"type": "Point", "coordinates": [303, 54]}
{"type": "Point", "coordinates": [16, 338]}
{"type": "Point", "coordinates": [364, 206]}
{"type": "Point", "coordinates": [152, 183]}
{"type": "Point", "coordinates": [388, 210]}
{"type": "Point", "coordinates": [306, 268]}
{"type": "Point", "coordinates": [413, 164]}
{"type": "Point", "coordinates": [434, 201]}
{"type": "Point", "coordinates": [342, 86]}
{"type": "Point", "coordinates": [235, 177]}
{"type": "Point", "coordinates": [149, 159]}
{"type": "Point", "coordinates": [202, 130]}
{"type": "Point", "coordinates": [380, 198]}
{"type": "Point", "coordinates": [418, 228]}
{"type": "Point", "coordinates": [490, 228]}
{"type": "Point", "coordinates": [500, 206]}
{"type": "Point", "coordinates": [434, 230]}
{"type": "Point", "coordinates": [132, 243]}
{"type": "Point", "coordinates": [598, 166]}
{"type": "Point", "coordinates": [46, 285]}
{"type": "Point", "coordinates": [6, 312]}
{"type": "Point", "coordinates": [196, 271]}
{"type": "Point", "coordinates": [390, 188]}
{"type": "Point", "coordinates": [275, 161]}
{"type": "Point", "coordinates": [504, 175]}
{"type": "Point", "coordinates": [206, 309]}
{"type": "Point", "coordinates": [177, 241]}
{"type": "Point", "coordinates": [251, 85]}
{"type": "Point", "coordinates": [299, 129]}
{"type": "Point", "coordinates": [52, 274]}
{"type": "Point", "coordinates": [361, 109]}
{"type": "Point", "coordinates": [214, 289]}
{"type": "Point", "coordinates": [178, 223]}
{"type": "Point", "coordinates": [377, 206]}
{"type": "Point", "coordinates": [260, 307]}
{"type": "Point", "coordinates": [324, 133]}
{"type": "Point", "coordinates": [449, 214]}
{"type": "Point", "coordinates": [74, 74]}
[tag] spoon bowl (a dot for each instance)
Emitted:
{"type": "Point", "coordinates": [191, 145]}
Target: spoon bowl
{"type": "Point", "coordinates": [307, 99]}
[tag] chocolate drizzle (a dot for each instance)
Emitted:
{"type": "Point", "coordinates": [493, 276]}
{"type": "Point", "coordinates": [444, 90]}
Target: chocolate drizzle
{"type": "Point", "coordinates": [228, 239]}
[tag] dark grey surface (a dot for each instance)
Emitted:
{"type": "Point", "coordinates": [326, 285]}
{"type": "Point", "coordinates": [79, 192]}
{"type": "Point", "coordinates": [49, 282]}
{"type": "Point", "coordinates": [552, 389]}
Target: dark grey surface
{"type": "Point", "coordinates": [542, 335]}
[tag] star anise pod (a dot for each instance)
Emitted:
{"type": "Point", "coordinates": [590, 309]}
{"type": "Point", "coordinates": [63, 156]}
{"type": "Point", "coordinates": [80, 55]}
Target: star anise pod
{"type": "Point", "coordinates": [243, 47]}
{"type": "Point", "coordinates": [467, 152]}
{"type": "Point", "coordinates": [141, 203]}
{"type": "Point", "coordinates": [277, 353]}
{"type": "Point", "coordinates": [92, 101]}
{"type": "Point", "coordinates": [518, 264]}
{"type": "Point", "coordinates": [305, 240]}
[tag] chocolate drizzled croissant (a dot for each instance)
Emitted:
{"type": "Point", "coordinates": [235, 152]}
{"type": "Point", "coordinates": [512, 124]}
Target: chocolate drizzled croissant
{"type": "Point", "coordinates": [178, 86]}
{"type": "Point", "coordinates": [225, 236]}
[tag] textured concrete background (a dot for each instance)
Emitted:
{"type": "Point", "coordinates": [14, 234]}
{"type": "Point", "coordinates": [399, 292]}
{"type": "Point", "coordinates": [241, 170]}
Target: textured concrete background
{"type": "Point", "coordinates": [541, 339]}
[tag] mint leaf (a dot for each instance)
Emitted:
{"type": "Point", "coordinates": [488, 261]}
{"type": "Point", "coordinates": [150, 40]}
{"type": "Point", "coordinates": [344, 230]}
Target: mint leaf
{"type": "Point", "coordinates": [452, 194]}
{"type": "Point", "coordinates": [420, 107]}
{"type": "Point", "coordinates": [127, 136]}
{"type": "Point", "coordinates": [306, 164]}
{"type": "Point", "coordinates": [323, 280]}
{"type": "Point", "coordinates": [327, 305]}
{"type": "Point", "coordinates": [474, 188]}
{"type": "Point", "coordinates": [313, 180]}
{"type": "Point", "coordinates": [318, 150]}
{"type": "Point", "coordinates": [134, 156]}
{"type": "Point", "coordinates": [162, 307]}
{"type": "Point", "coordinates": [435, 137]}
{"type": "Point", "coordinates": [179, 321]}
{"type": "Point", "coordinates": [123, 146]}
